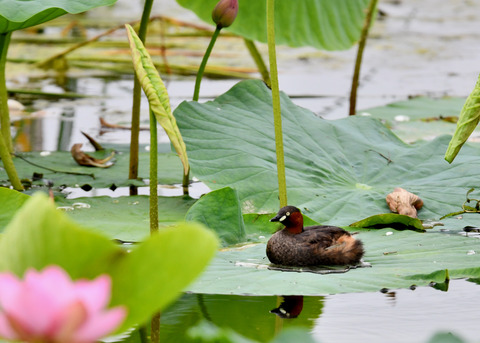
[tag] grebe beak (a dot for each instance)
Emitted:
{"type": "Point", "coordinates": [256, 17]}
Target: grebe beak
{"type": "Point", "coordinates": [276, 218]}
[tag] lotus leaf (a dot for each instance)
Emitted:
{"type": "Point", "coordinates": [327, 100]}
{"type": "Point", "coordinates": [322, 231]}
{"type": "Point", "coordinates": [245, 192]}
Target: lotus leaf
{"type": "Point", "coordinates": [338, 172]}
{"type": "Point", "coordinates": [16, 15]}
{"type": "Point", "coordinates": [329, 25]}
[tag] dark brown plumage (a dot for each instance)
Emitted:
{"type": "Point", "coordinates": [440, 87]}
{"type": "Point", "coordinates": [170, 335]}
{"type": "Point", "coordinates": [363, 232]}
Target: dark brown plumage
{"type": "Point", "coordinates": [295, 245]}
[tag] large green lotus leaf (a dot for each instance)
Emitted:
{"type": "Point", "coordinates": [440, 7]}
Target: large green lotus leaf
{"type": "Point", "coordinates": [170, 170]}
{"type": "Point", "coordinates": [398, 259]}
{"type": "Point", "coordinates": [10, 202]}
{"type": "Point", "coordinates": [16, 15]}
{"type": "Point", "coordinates": [220, 211]}
{"type": "Point", "coordinates": [420, 117]}
{"type": "Point", "coordinates": [155, 272]}
{"type": "Point", "coordinates": [124, 218]}
{"type": "Point", "coordinates": [38, 235]}
{"type": "Point", "coordinates": [337, 171]}
{"type": "Point", "coordinates": [323, 24]}
{"type": "Point", "coordinates": [145, 280]}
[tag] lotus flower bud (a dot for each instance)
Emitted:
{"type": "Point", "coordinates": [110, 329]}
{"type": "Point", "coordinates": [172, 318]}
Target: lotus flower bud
{"type": "Point", "coordinates": [225, 13]}
{"type": "Point", "coordinates": [47, 306]}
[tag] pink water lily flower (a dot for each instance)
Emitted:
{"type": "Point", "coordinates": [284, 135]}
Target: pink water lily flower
{"type": "Point", "coordinates": [47, 306]}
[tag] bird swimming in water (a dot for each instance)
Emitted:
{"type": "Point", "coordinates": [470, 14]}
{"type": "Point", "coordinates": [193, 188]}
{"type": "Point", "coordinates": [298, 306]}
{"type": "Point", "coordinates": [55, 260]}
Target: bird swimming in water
{"type": "Point", "coordinates": [318, 245]}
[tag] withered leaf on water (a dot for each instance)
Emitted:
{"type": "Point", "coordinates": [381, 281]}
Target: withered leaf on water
{"type": "Point", "coordinates": [84, 159]}
{"type": "Point", "coordinates": [403, 202]}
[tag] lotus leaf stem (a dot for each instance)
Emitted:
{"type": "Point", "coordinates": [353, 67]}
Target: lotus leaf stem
{"type": "Point", "coordinates": [257, 57]}
{"type": "Point", "coordinates": [137, 89]}
{"type": "Point", "coordinates": [153, 174]}
{"type": "Point", "coordinates": [358, 62]}
{"type": "Point", "coordinates": [5, 116]}
{"type": "Point", "coordinates": [8, 165]}
{"type": "Point", "coordinates": [277, 116]}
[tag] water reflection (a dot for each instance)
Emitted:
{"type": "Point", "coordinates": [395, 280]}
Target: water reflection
{"type": "Point", "coordinates": [247, 315]}
{"type": "Point", "coordinates": [395, 316]}
{"type": "Point", "coordinates": [291, 307]}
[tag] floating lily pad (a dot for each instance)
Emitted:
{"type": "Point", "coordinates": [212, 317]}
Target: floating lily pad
{"type": "Point", "coordinates": [124, 218]}
{"type": "Point", "coordinates": [420, 117]}
{"type": "Point", "coordinates": [329, 25]}
{"type": "Point", "coordinates": [393, 220]}
{"type": "Point", "coordinates": [60, 168]}
{"type": "Point", "coordinates": [398, 259]}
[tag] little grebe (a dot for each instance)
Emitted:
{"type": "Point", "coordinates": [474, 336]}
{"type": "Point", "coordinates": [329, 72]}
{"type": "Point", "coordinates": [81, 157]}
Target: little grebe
{"type": "Point", "coordinates": [295, 245]}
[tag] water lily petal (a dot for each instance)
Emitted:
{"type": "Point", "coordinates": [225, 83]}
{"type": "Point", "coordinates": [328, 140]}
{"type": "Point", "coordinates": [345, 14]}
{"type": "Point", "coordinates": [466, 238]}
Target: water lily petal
{"type": "Point", "coordinates": [101, 324]}
{"type": "Point", "coordinates": [6, 330]}
{"type": "Point", "coordinates": [54, 281]}
{"type": "Point", "coordinates": [72, 318]}
{"type": "Point", "coordinates": [95, 294]}
{"type": "Point", "coordinates": [9, 288]}
{"type": "Point", "coordinates": [40, 300]}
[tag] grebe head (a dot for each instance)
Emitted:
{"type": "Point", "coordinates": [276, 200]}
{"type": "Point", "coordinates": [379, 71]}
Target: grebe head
{"type": "Point", "coordinates": [290, 216]}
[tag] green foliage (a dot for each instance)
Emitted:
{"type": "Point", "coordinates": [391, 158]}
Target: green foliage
{"type": "Point", "coordinates": [467, 122]}
{"type": "Point", "coordinates": [146, 279]}
{"type": "Point", "coordinates": [337, 171]}
{"type": "Point", "coordinates": [220, 211]}
{"type": "Point", "coordinates": [16, 15]}
{"type": "Point", "coordinates": [323, 24]}
{"type": "Point", "coordinates": [157, 95]}
{"type": "Point", "coordinates": [393, 220]}
{"type": "Point", "coordinates": [155, 272]}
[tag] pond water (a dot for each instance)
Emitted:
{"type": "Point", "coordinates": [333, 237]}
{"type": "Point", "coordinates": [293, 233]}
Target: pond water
{"type": "Point", "coordinates": [390, 316]}
{"type": "Point", "coordinates": [417, 49]}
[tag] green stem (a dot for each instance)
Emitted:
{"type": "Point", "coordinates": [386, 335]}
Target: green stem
{"type": "Point", "coordinates": [358, 62]}
{"type": "Point", "coordinates": [262, 68]}
{"type": "Point", "coordinates": [153, 175]}
{"type": "Point", "coordinates": [8, 165]}
{"type": "Point", "coordinates": [155, 328]}
{"type": "Point", "coordinates": [201, 69]}
{"type": "Point", "coordinates": [185, 182]}
{"type": "Point", "coordinates": [142, 332]}
{"type": "Point", "coordinates": [137, 89]}
{"type": "Point", "coordinates": [5, 116]}
{"type": "Point", "coordinates": [277, 116]}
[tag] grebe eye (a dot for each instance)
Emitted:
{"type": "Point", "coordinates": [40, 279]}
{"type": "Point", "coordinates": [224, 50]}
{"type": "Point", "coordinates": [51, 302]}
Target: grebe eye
{"type": "Point", "coordinates": [288, 213]}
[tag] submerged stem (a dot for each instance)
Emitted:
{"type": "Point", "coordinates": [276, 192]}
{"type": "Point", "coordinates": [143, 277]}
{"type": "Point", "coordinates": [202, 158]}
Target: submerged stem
{"type": "Point", "coordinates": [153, 175]}
{"type": "Point", "coordinates": [358, 62]}
{"type": "Point", "coordinates": [277, 116]}
{"type": "Point", "coordinates": [201, 69]}
{"type": "Point", "coordinates": [137, 89]}
{"type": "Point", "coordinates": [262, 68]}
